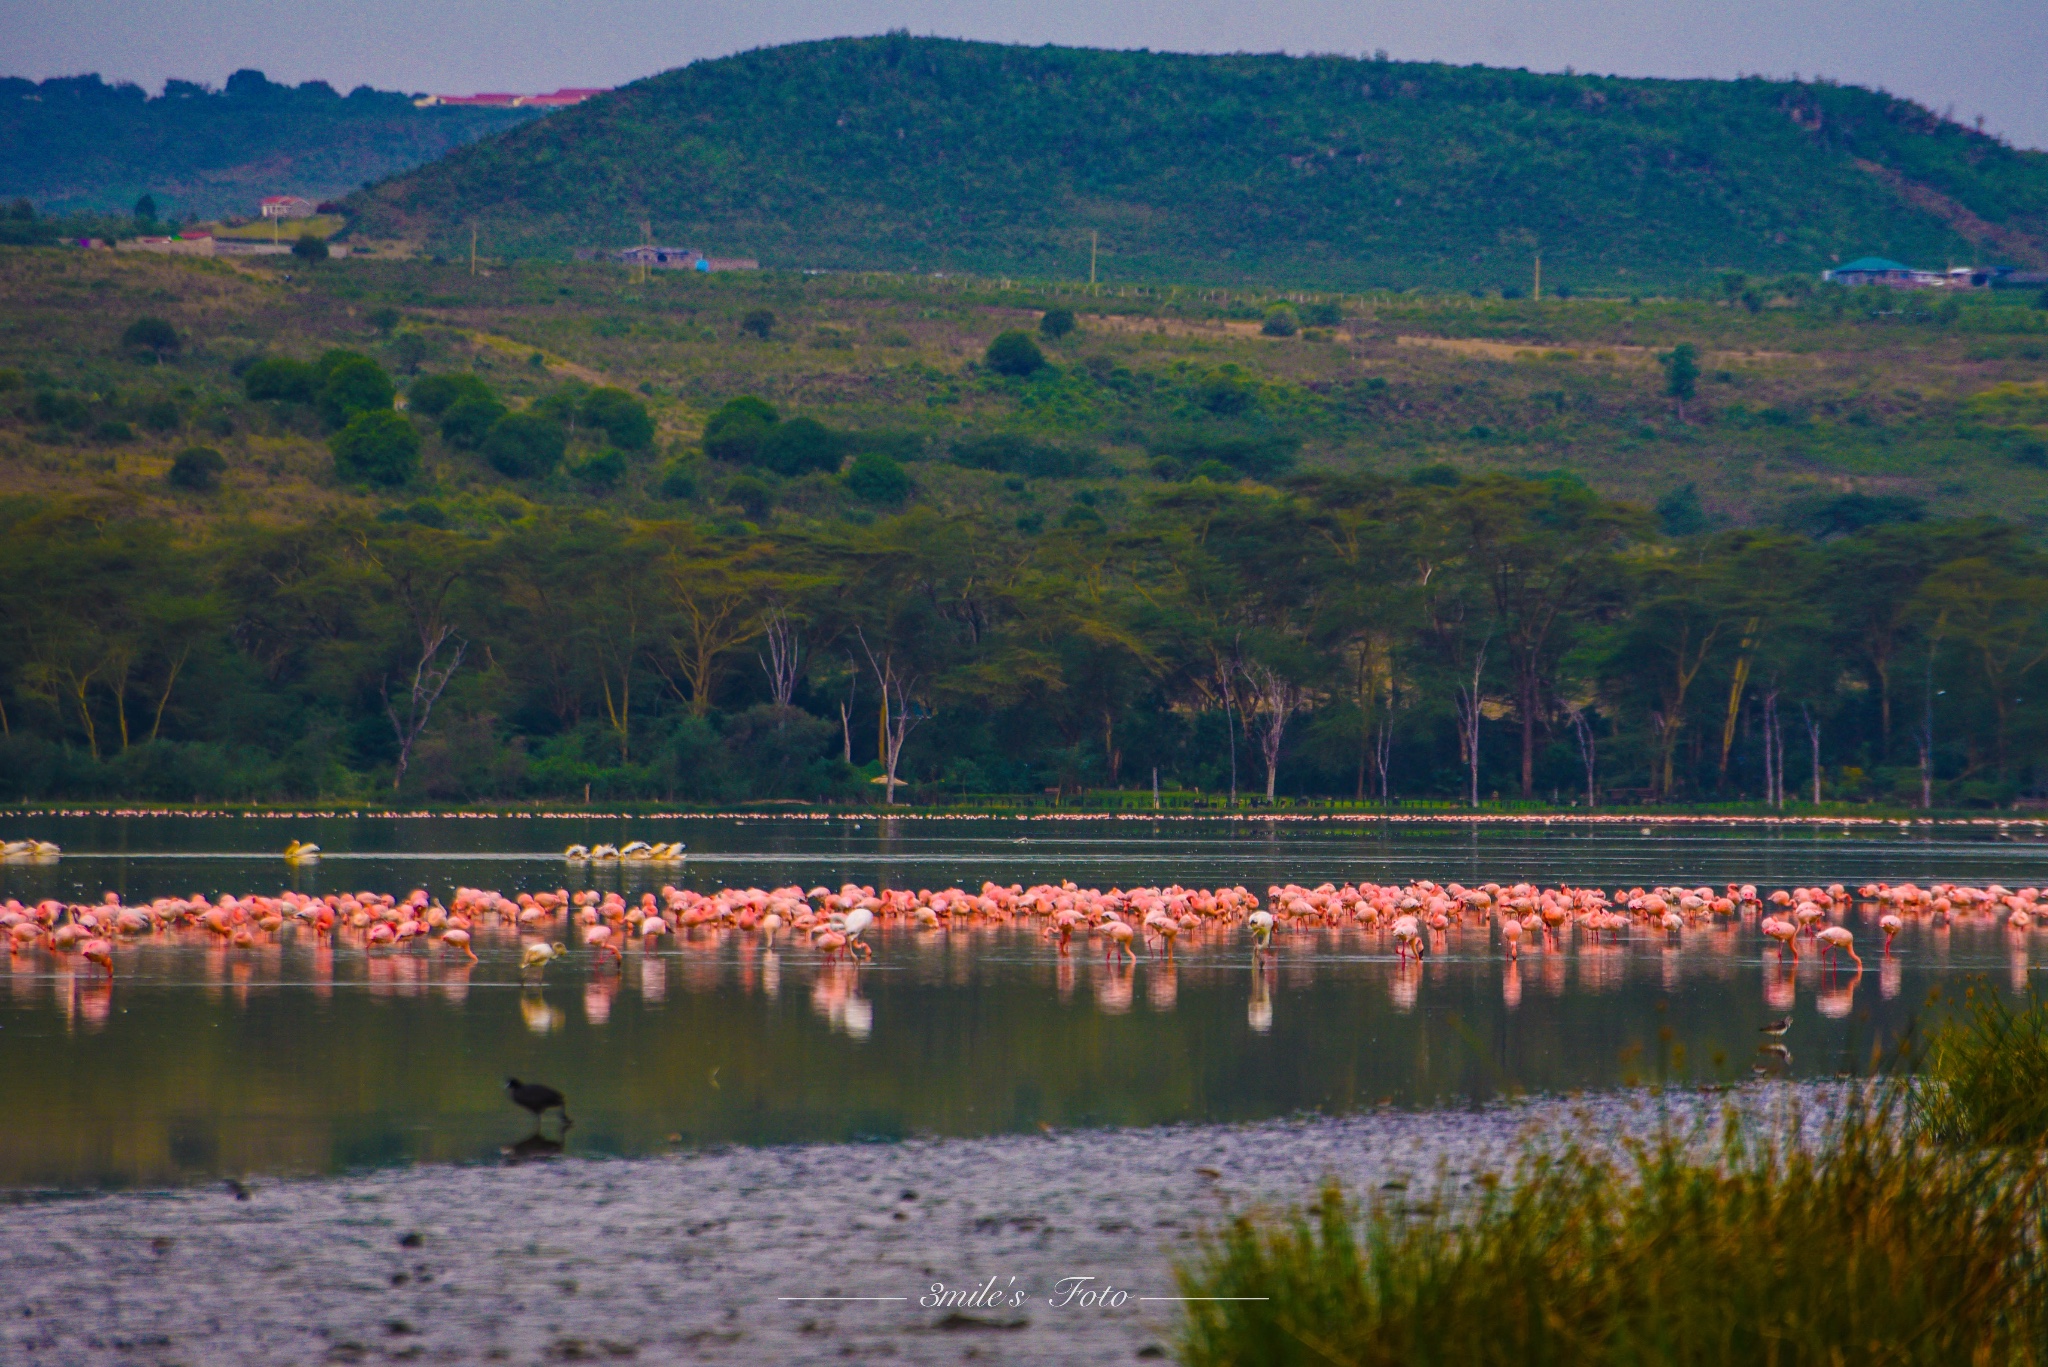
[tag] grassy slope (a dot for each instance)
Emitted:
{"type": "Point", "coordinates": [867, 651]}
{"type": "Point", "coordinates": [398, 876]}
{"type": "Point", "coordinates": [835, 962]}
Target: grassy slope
{"type": "Point", "coordinates": [76, 145]}
{"type": "Point", "coordinates": [1795, 401]}
{"type": "Point", "coordinates": [926, 154]}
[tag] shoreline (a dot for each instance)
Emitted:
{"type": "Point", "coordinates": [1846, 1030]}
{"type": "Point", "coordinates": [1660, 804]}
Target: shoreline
{"type": "Point", "coordinates": [1452, 818]}
{"type": "Point", "coordinates": [720, 1255]}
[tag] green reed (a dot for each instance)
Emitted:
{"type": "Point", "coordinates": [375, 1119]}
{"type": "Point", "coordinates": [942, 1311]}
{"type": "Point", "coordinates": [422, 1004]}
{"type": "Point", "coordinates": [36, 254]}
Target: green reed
{"type": "Point", "coordinates": [1870, 1243]}
{"type": "Point", "coordinates": [1985, 1078]}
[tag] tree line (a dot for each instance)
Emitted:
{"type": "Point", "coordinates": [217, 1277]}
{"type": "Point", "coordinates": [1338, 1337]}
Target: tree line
{"type": "Point", "coordinates": [1348, 636]}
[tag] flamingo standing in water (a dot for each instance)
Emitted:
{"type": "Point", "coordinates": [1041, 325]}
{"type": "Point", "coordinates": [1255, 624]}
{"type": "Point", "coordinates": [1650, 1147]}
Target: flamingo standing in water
{"type": "Point", "coordinates": [1511, 936]}
{"type": "Point", "coordinates": [459, 939]}
{"type": "Point", "coordinates": [1838, 937]}
{"type": "Point", "coordinates": [1889, 923]}
{"type": "Point", "coordinates": [1784, 932]}
{"type": "Point", "coordinates": [1408, 938]}
{"type": "Point", "coordinates": [857, 921]}
{"type": "Point", "coordinates": [1261, 922]}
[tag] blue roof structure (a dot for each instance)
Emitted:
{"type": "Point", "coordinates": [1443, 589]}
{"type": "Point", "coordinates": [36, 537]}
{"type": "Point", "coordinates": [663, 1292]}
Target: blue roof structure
{"type": "Point", "coordinates": [1871, 265]}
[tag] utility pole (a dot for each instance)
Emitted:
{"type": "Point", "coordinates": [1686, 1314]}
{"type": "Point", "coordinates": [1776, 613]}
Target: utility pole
{"type": "Point", "coordinates": [1537, 293]}
{"type": "Point", "coordinates": [1091, 260]}
{"type": "Point", "coordinates": [472, 249]}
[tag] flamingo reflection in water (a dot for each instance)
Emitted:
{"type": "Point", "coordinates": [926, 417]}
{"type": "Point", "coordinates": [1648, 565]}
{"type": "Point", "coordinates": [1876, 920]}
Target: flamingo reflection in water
{"type": "Point", "coordinates": [1259, 1011]}
{"type": "Point", "coordinates": [1511, 985]}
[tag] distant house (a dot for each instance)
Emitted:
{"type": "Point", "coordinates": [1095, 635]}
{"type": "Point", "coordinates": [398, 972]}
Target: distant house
{"type": "Point", "coordinates": [287, 206]}
{"type": "Point", "coordinates": [682, 259]}
{"type": "Point", "coordinates": [500, 99]}
{"type": "Point", "coordinates": [1872, 270]}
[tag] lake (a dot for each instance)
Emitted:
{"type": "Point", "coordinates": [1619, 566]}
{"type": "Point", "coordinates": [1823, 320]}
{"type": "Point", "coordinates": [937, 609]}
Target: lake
{"type": "Point", "coordinates": [306, 1056]}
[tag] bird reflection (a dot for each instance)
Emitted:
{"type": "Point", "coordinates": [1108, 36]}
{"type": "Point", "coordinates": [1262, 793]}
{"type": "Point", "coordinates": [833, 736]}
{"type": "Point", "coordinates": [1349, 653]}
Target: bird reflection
{"type": "Point", "coordinates": [534, 1148]}
{"type": "Point", "coordinates": [1890, 978]}
{"type": "Point", "coordinates": [1837, 999]}
{"type": "Point", "coordinates": [653, 978]}
{"type": "Point", "coordinates": [1162, 987]}
{"type": "Point", "coordinates": [1511, 985]}
{"type": "Point", "coordinates": [1259, 1012]}
{"type": "Point", "coordinates": [1781, 988]}
{"type": "Point", "coordinates": [1405, 985]}
{"type": "Point", "coordinates": [597, 998]}
{"type": "Point", "coordinates": [2016, 961]}
{"type": "Point", "coordinates": [1115, 989]}
{"type": "Point", "coordinates": [540, 1018]}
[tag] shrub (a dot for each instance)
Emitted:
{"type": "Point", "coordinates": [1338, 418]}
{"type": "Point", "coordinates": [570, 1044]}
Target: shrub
{"type": "Point", "coordinates": [1986, 1076]}
{"type": "Point", "coordinates": [751, 494]}
{"type": "Point", "coordinates": [282, 380]}
{"type": "Point", "coordinates": [310, 248]}
{"type": "Point", "coordinates": [113, 430]}
{"type": "Point", "coordinates": [434, 395]}
{"type": "Point", "coordinates": [1280, 322]}
{"type": "Point", "coordinates": [65, 410]}
{"type": "Point", "coordinates": [1011, 454]}
{"type": "Point", "coordinates": [1054, 324]}
{"type": "Point", "coordinates": [800, 446]}
{"type": "Point", "coordinates": [760, 322]}
{"type": "Point", "coordinates": [622, 417]}
{"type": "Point", "coordinates": [1322, 315]}
{"type": "Point", "coordinates": [877, 478]}
{"type": "Point", "coordinates": [161, 416]}
{"type": "Point", "coordinates": [383, 319]}
{"type": "Point", "coordinates": [152, 338]}
{"type": "Point", "coordinates": [197, 468]}
{"type": "Point", "coordinates": [377, 447]}
{"type": "Point", "coordinates": [1867, 1246]}
{"type": "Point", "coordinates": [737, 430]}
{"type": "Point", "coordinates": [525, 445]}
{"type": "Point", "coordinates": [605, 468]}
{"type": "Point", "coordinates": [1014, 353]}
{"type": "Point", "coordinates": [470, 421]}
{"type": "Point", "coordinates": [679, 480]}
{"type": "Point", "coordinates": [352, 385]}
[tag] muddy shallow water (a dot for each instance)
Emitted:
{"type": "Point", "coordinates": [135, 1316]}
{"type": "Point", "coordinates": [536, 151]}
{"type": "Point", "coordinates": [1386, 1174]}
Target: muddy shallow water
{"type": "Point", "coordinates": [818, 1253]}
{"type": "Point", "coordinates": [198, 1062]}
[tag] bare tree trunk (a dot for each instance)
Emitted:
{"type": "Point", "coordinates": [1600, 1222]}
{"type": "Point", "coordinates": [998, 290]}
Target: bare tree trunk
{"type": "Point", "coordinates": [1279, 699]}
{"type": "Point", "coordinates": [1586, 751]}
{"type": "Point", "coordinates": [427, 685]}
{"type": "Point", "coordinates": [784, 665]}
{"type": "Point", "coordinates": [898, 721]}
{"type": "Point", "coordinates": [1813, 737]}
{"type": "Point", "coordinates": [1468, 713]}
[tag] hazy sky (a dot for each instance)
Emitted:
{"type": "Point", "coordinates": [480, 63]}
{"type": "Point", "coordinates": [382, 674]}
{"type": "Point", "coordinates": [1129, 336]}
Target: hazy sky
{"type": "Point", "coordinates": [1986, 57]}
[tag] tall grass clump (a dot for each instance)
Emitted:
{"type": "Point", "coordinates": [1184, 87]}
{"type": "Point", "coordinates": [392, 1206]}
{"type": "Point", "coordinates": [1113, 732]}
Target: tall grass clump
{"type": "Point", "coordinates": [1873, 1245]}
{"type": "Point", "coordinates": [1985, 1078]}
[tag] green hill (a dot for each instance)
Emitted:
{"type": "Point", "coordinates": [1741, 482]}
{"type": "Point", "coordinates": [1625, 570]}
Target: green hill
{"type": "Point", "coordinates": [78, 145]}
{"type": "Point", "coordinates": [927, 154]}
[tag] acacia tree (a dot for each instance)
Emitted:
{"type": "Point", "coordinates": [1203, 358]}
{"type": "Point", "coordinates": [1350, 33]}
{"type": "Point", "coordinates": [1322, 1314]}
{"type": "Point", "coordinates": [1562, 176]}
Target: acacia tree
{"type": "Point", "coordinates": [714, 594]}
{"type": "Point", "coordinates": [419, 569]}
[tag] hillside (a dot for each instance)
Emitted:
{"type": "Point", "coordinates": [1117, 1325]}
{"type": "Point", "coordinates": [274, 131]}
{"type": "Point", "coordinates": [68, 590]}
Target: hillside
{"type": "Point", "coordinates": [78, 145]}
{"type": "Point", "coordinates": [215, 523]}
{"type": "Point", "coordinates": [937, 155]}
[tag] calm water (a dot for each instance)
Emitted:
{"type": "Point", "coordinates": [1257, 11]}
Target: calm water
{"type": "Point", "coordinates": [300, 1057]}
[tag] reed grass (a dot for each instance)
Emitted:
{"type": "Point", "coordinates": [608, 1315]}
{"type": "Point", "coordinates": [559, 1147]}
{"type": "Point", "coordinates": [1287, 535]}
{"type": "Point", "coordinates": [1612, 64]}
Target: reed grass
{"type": "Point", "coordinates": [1985, 1077]}
{"type": "Point", "coordinates": [1870, 1243]}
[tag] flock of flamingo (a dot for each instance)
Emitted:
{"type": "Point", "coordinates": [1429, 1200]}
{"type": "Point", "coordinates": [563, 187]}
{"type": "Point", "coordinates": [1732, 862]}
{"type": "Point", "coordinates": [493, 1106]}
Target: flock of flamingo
{"type": "Point", "coordinates": [1413, 919]}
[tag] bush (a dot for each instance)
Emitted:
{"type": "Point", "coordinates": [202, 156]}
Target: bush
{"type": "Point", "coordinates": [352, 385]}
{"type": "Point", "coordinates": [376, 447]}
{"type": "Point", "coordinates": [1014, 353]}
{"type": "Point", "coordinates": [469, 422]}
{"type": "Point", "coordinates": [877, 478]}
{"type": "Point", "coordinates": [1054, 324]}
{"type": "Point", "coordinates": [161, 416]}
{"type": "Point", "coordinates": [605, 469]}
{"type": "Point", "coordinates": [383, 319]}
{"type": "Point", "coordinates": [65, 410]}
{"type": "Point", "coordinates": [1867, 1246]}
{"type": "Point", "coordinates": [525, 445]}
{"type": "Point", "coordinates": [679, 480]}
{"type": "Point", "coordinates": [434, 395]}
{"type": "Point", "coordinates": [310, 248]}
{"type": "Point", "coordinates": [759, 322]}
{"type": "Point", "coordinates": [113, 430]}
{"type": "Point", "coordinates": [1986, 1077]}
{"type": "Point", "coordinates": [1280, 322]}
{"type": "Point", "coordinates": [622, 417]}
{"type": "Point", "coordinates": [737, 430]}
{"type": "Point", "coordinates": [1007, 453]}
{"type": "Point", "coordinates": [753, 495]}
{"type": "Point", "coordinates": [151, 338]}
{"type": "Point", "coordinates": [800, 446]}
{"type": "Point", "coordinates": [282, 380]}
{"type": "Point", "coordinates": [197, 468]}
{"type": "Point", "coordinates": [1322, 315]}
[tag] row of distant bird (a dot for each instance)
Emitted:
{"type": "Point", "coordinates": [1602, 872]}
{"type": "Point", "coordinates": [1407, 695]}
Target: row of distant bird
{"type": "Point", "coordinates": [29, 851]}
{"type": "Point", "coordinates": [1418, 917]}
{"type": "Point", "coordinates": [635, 851]}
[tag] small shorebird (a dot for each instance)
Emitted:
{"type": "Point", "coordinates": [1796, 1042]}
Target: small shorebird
{"type": "Point", "coordinates": [1777, 1028]}
{"type": "Point", "coordinates": [539, 1098]}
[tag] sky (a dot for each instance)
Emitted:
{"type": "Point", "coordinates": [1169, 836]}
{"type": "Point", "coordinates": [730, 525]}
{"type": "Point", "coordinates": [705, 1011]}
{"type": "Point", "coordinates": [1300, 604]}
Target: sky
{"type": "Point", "coordinates": [1964, 57]}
